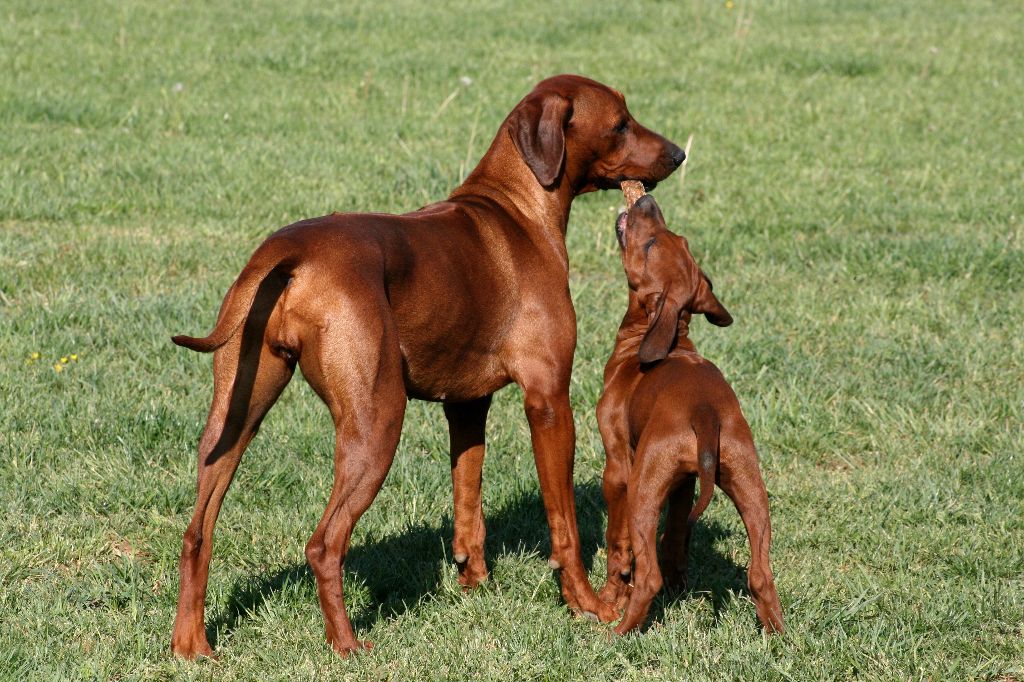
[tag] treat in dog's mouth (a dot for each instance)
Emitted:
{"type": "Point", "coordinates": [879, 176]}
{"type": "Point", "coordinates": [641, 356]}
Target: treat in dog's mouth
{"type": "Point", "coordinates": [633, 189]}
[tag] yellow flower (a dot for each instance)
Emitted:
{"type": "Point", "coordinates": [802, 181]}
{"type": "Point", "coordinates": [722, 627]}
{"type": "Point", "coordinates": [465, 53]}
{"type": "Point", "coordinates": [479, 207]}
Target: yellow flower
{"type": "Point", "coordinates": [35, 356]}
{"type": "Point", "coordinates": [64, 361]}
{"type": "Point", "coordinates": [74, 357]}
{"type": "Point", "coordinates": [728, 4]}
{"type": "Point", "coordinates": [58, 368]}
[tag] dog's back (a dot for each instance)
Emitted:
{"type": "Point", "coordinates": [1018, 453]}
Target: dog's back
{"type": "Point", "coordinates": [690, 411]}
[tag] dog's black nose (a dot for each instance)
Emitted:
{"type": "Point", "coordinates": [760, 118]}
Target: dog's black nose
{"type": "Point", "coordinates": [678, 156]}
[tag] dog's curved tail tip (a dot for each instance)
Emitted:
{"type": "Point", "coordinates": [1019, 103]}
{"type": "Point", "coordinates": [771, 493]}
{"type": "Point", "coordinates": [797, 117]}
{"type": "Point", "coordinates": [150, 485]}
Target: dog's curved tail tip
{"type": "Point", "coordinates": [204, 345]}
{"type": "Point", "coordinates": [239, 299]}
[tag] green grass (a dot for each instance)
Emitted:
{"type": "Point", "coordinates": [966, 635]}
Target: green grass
{"type": "Point", "coordinates": [854, 192]}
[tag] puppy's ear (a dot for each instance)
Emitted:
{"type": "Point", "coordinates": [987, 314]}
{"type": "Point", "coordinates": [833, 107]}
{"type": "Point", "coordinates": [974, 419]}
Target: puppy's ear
{"type": "Point", "coordinates": [661, 332]}
{"type": "Point", "coordinates": [708, 305]}
{"type": "Point", "coordinates": [538, 131]}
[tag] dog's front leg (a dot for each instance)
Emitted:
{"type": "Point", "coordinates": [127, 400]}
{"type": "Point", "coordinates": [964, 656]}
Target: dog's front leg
{"type": "Point", "coordinates": [554, 443]}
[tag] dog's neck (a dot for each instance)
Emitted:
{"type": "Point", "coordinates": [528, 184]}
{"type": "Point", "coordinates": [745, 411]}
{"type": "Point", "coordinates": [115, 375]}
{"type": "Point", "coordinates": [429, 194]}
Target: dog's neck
{"type": "Point", "coordinates": [634, 327]}
{"type": "Point", "coordinates": [503, 177]}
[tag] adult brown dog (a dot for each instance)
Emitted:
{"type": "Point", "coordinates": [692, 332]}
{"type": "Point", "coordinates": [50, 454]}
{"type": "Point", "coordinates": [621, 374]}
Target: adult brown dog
{"type": "Point", "coordinates": [448, 303]}
{"type": "Point", "coordinates": [666, 417]}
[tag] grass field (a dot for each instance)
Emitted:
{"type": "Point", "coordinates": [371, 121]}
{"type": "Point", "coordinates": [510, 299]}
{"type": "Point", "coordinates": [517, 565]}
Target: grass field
{"type": "Point", "coordinates": [856, 192]}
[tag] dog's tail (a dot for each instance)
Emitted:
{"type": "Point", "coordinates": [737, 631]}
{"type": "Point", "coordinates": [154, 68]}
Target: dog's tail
{"type": "Point", "coordinates": [238, 300]}
{"type": "Point", "coordinates": [707, 428]}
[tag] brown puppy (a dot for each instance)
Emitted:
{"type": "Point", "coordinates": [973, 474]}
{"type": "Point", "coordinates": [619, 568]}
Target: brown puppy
{"type": "Point", "coordinates": [448, 303]}
{"type": "Point", "coordinates": [667, 417]}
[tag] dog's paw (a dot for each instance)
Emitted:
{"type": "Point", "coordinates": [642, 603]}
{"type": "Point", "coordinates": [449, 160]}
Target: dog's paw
{"type": "Point", "coordinates": [615, 594]}
{"type": "Point", "coordinates": [190, 651]}
{"type": "Point", "coordinates": [602, 612]}
{"type": "Point", "coordinates": [472, 571]}
{"type": "Point", "coordinates": [190, 643]}
{"type": "Point", "coordinates": [344, 650]}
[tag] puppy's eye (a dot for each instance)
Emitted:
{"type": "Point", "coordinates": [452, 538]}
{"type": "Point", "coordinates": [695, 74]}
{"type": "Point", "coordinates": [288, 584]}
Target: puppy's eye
{"type": "Point", "coordinates": [648, 245]}
{"type": "Point", "coordinates": [622, 126]}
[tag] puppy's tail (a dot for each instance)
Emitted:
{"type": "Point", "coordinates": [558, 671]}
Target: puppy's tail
{"type": "Point", "coordinates": [238, 301]}
{"type": "Point", "coordinates": [707, 428]}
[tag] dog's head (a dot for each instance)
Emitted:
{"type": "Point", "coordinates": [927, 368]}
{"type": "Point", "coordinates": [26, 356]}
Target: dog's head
{"type": "Point", "coordinates": [668, 283]}
{"type": "Point", "coordinates": [578, 129]}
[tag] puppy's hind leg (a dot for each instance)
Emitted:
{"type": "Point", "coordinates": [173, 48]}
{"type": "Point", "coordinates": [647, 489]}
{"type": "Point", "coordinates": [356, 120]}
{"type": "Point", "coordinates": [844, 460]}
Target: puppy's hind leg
{"type": "Point", "coordinates": [675, 543]}
{"type": "Point", "coordinates": [682, 514]}
{"type": "Point", "coordinates": [649, 485]}
{"type": "Point", "coordinates": [741, 480]}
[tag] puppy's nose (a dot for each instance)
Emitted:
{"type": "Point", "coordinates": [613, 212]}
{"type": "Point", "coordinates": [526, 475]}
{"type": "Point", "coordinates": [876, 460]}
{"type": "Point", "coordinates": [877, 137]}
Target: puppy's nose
{"type": "Point", "coordinates": [645, 203]}
{"type": "Point", "coordinates": [678, 156]}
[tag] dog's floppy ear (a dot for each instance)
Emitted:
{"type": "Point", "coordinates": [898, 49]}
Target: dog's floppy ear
{"type": "Point", "coordinates": [661, 332]}
{"type": "Point", "coordinates": [707, 304]}
{"type": "Point", "coordinates": [538, 131]}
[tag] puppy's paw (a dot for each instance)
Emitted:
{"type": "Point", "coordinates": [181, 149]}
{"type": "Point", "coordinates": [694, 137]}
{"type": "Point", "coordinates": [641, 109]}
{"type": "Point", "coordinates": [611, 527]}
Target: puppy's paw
{"type": "Point", "coordinates": [346, 649]}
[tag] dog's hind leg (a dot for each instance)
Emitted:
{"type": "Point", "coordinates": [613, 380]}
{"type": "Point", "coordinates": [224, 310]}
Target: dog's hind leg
{"type": "Point", "coordinates": [741, 480]}
{"type": "Point", "coordinates": [354, 364]}
{"type": "Point", "coordinates": [675, 543]}
{"type": "Point", "coordinates": [649, 484]}
{"type": "Point", "coordinates": [466, 425]}
{"type": "Point", "coordinates": [248, 378]}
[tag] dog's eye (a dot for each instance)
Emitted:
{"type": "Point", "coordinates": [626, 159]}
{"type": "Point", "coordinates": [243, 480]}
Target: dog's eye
{"type": "Point", "coordinates": [648, 245]}
{"type": "Point", "coordinates": [622, 126]}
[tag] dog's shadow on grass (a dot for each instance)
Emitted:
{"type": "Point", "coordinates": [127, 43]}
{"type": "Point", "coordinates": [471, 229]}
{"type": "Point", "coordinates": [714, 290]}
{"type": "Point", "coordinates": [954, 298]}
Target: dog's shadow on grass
{"type": "Point", "coordinates": [400, 569]}
{"type": "Point", "coordinates": [709, 573]}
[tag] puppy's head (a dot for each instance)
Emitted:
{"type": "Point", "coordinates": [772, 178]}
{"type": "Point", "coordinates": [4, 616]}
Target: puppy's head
{"type": "Point", "coordinates": [574, 128]}
{"type": "Point", "coordinates": [667, 280]}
